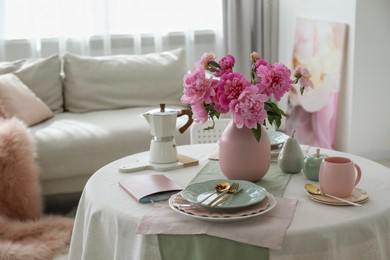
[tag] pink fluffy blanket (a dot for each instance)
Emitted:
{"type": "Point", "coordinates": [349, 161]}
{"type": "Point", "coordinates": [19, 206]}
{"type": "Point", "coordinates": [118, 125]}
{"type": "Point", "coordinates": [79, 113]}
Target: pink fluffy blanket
{"type": "Point", "coordinates": [25, 233]}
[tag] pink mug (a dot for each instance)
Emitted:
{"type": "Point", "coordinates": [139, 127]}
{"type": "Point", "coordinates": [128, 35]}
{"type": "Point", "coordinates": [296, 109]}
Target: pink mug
{"type": "Point", "coordinates": [337, 176]}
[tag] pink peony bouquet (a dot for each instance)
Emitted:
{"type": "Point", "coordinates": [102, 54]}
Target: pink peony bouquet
{"type": "Point", "coordinates": [249, 102]}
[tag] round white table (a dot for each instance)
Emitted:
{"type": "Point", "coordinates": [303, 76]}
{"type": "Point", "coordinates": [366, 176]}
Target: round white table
{"type": "Point", "coordinates": [107, 217]}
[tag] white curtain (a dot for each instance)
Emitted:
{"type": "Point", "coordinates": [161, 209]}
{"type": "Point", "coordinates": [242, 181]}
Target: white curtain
{"type": "Point", "coordinates": [250, 25]}
{"type": "Point", "coordinates": [39, 28]}
{"type": "Point", "coordinates": [2, 23]}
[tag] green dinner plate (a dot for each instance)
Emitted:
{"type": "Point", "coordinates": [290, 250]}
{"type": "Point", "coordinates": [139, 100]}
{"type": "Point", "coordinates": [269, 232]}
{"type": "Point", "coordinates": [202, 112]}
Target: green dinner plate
{"type": "Point", "coordinates": [249, 194]}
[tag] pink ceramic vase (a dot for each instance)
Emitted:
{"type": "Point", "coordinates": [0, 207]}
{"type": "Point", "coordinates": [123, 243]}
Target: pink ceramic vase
{"type": "Point", "coordinates": [241, 157]}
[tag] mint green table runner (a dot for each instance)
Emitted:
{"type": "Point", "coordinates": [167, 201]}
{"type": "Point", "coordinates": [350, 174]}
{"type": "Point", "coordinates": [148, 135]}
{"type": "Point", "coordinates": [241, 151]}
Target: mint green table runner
{"type": "Point", "coordinates": [204, 247]}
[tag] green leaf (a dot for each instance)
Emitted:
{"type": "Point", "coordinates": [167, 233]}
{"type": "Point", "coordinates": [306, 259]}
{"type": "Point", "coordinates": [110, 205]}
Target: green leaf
{"type": "Point", "coordinates": [257, 132]}
{"type": "Point", "coordinates": [274, 113]}
{"type": "Point", "coordinates": [211, 69]}
{"type": "Point", "coordinates": [213, 63]}
{"type": "Point", "coordinates": [253, 77]}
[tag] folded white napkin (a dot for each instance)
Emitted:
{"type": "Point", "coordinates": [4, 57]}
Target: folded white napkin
{"type": "Point", "coordinates": [266, 230]}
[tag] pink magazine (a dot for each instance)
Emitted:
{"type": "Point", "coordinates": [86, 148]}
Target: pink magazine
{"type": "Point", "coordinates": [147, 188]}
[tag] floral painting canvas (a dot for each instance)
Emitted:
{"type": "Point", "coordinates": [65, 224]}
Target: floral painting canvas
{"type": "Point", "coordinates": [318, 46]}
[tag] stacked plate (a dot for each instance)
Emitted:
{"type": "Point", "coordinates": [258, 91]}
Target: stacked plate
{"type": "Point", "coordinates": [252, 200]}
{"type": "Point", "coordinates": [277, 140]}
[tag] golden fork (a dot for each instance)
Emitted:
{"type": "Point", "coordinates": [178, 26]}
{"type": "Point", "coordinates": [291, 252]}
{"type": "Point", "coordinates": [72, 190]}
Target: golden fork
{"type": "Point", "coordinates": [234, 188]}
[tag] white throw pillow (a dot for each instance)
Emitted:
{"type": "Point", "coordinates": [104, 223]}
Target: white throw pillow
{"type": "Point", "coordinates": [42, 76]}
{"type": "Point", "coordinates": [17, 100]}
{"type": "Point", "coordinates": [120, 81]}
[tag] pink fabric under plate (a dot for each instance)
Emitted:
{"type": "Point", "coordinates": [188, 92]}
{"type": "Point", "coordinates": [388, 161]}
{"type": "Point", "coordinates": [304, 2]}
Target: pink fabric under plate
{"type": "Point", "coordinates": [265, 230]}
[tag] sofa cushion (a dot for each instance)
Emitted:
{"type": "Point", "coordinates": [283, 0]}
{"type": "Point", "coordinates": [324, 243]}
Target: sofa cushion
{"type": "Point", "coordinates": [42, 76]}
{"type": "Point", "coordinates": [112, 82]}
{"type": "Point", "coordinates": [16, 99]}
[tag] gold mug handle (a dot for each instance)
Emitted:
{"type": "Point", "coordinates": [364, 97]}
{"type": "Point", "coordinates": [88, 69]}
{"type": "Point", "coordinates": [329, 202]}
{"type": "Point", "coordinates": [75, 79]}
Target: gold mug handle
{"type": "Point", "coordinates": [189, 113]}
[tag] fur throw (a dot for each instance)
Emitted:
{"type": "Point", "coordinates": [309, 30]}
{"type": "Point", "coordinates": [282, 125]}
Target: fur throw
{"type": "Point", "coordinates": [24, 232]}
{"type": "Point", "coordinates": [20, 193]}
{"type": "Point", "coordinates": [41, 239]}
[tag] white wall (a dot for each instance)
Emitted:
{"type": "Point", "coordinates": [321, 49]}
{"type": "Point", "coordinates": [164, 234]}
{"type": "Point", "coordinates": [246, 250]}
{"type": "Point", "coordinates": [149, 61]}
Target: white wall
{"type": "Point", "coordinates": [363, 125]}
{"type": "Point", "coordinates": [370, 126]}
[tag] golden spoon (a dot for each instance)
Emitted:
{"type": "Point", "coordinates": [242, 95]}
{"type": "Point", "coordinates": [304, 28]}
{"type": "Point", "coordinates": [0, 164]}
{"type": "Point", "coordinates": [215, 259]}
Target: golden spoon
{"type": "Point", "coordinates": [316, 191]}
{"type": "Point", "coordinates": [219, 188]}
{"type": "Point", "coordinates": [234, 189]}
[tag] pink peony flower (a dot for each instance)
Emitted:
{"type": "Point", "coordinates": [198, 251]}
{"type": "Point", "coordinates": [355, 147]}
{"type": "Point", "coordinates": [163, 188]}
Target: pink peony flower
{"type": "Point", "coordinates": [248, 101]}
{"type": "Point", "coordinates": [303, 77]}
{"type": "Point", "coordinates": [205, 59]}
{"type": "Point", "coordinates": [226, 65]}
{"type": "Point", "coordinates": [255, 56]}
{"type": "Point", "coordinates": [197, 88]}
{"type": "Point", "coordinates": [257, 61]}
{"type": "Point", "coordinates": [230, 87]}
{"type": "Point", "coordinates": [248, 109]}
{"type": "Point", "coordinates": [274, 80]}
{"type": "Point", "coordinates": [262, 62]}
{"type": "Point", "coordinates": [200, 113]}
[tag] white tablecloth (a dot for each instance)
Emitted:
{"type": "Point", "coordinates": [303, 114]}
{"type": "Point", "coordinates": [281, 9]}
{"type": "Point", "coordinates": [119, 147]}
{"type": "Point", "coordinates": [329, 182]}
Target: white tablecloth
{"type": "Point", "coordinates": [107, 217]}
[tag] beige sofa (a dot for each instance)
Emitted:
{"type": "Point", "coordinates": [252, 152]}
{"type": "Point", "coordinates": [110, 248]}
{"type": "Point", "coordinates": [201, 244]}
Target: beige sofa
{"type": "Point", "coordinates": [87, 111]}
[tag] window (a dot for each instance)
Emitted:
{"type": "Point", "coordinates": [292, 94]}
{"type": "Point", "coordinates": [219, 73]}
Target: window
{"type": "Point", "coordinates": [24, 19]}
